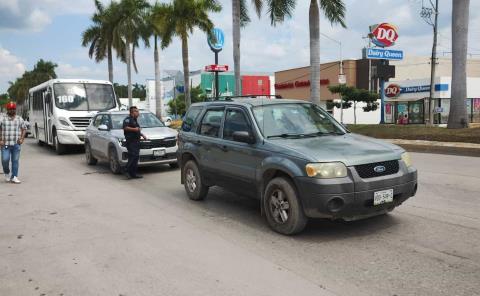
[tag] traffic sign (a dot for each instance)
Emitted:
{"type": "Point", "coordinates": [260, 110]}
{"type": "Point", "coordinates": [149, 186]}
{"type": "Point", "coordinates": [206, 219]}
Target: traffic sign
{"type": "Point", "coordinates": [384, 54]}
{"type": "Point", "coordinates": [216, 68]}
{"type": "Point", "coordinates": [219, 42]}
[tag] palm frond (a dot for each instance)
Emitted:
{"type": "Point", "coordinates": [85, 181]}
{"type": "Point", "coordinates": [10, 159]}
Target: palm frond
{"type": "Point", "coordinates": [334, 10]}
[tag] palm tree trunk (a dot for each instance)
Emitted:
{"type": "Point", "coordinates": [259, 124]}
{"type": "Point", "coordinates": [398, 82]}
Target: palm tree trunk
{"type": "Point", "coordinates": [186, 74]}
{"type": "Point", "coordinates": [236, 44]}
{"type": "Point", "coordinates": [158, 97]}
{"type": "Point", "coordinates": [314, 23]}
{"type": "Point", "coordinates": [129, 72]}
{"type": "Point", "coordinates": [458, 110]}
{"type": "Point", "coordinates": [110, 64]}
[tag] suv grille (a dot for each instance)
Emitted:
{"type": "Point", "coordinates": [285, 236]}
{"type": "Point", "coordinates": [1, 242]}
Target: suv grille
{"type": "Point", "coordinates": [160, 143]}
{"type": "Point", "coordinates": [368, 170]}
{"type": "Point", "coordinates": [80, 122]}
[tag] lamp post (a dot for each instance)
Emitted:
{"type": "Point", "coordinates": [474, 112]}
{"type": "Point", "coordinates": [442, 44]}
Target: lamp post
{"type": "Point", "coordinates": [341, 76]}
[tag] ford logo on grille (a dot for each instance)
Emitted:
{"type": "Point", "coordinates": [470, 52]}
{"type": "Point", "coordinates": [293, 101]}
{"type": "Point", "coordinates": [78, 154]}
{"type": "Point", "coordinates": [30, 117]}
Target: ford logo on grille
{"type": "Point", "coordinates": [379, 169]}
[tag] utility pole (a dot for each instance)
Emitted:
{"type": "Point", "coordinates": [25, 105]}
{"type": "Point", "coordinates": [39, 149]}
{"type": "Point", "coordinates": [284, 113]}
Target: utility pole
{"type": "Point", "coordinates": [426, 14]}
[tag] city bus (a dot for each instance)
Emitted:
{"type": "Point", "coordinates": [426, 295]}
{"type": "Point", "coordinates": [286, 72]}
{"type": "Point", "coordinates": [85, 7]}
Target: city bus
{"type": "Point", "coordinates": [61, 109]}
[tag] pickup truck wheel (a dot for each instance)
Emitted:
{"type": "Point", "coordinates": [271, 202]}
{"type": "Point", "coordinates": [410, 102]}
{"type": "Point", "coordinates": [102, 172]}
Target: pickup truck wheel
{"type": "Point", "coordinates": [194, 187]}
{"type": "Point", "coordinates": [91, 160]}
{"type": "Point", "coordinates": [113, 161]}
{"type": "Point", "coordinates": [283, 210]}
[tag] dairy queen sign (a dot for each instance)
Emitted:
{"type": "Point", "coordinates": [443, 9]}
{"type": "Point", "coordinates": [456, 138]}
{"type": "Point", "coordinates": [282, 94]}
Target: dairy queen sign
{"type": "Point", "coordinates": [384, 34]}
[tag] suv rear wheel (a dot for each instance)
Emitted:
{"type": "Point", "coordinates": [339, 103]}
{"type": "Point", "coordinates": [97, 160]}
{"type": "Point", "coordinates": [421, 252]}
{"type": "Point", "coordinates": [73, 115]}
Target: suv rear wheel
{"type": "Point", "coordinates": [283, 210]}
{"type": "Point", "coordinates": [194, 187]}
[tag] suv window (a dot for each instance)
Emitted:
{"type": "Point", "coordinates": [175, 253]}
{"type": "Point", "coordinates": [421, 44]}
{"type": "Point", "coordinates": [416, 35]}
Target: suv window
{"type": "Point", "coordinates": [211, 123]}
{"type": "Point", "coordinates": [190, 118]}
{"type": "Point", "coordinates": [97, 120]}
{"type": "Point", "coordinates": [235, 121]}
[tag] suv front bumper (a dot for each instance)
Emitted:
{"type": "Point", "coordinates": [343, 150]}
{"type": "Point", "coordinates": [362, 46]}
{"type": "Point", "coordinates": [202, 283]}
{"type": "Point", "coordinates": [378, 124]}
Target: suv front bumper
{"type": "Point", "coordinates": [351, 198]}
{"type": "Point", "coordinates": [147, 157]}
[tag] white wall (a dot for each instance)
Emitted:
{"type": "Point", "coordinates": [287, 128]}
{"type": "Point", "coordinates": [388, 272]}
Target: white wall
{"type": "Point", "coordinates": [372, 117]}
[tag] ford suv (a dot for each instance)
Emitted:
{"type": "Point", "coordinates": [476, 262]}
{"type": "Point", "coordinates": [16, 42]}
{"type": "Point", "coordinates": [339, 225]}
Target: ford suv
{"type": "Point", "coordinates": [104, 139]}
{"type": "Point", "coordinates": [295, 158]}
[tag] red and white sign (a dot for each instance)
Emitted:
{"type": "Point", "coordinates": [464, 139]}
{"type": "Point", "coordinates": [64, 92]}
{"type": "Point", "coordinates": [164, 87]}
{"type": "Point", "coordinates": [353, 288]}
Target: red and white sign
{"type": "Point", "coordinates": [384, 35]}
{"type": "Point", "coordinates": [216, 68]}
{"type": "Point", "coordinates": [299, 83]}
{"type": "Point", "coordinates": [392, 91]}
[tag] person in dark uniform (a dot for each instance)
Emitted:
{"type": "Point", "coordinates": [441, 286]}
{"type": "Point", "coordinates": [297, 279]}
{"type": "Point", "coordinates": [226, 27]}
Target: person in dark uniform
{"type": "Point", "coordinates": [132, 132]}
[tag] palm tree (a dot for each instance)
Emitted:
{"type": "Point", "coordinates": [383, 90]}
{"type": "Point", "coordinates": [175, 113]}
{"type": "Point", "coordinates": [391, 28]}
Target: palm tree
{"type": "Point", "coordinates": [100, 35]}
{"type": "Point", "coordinates": [179, 19]}
{"type": "Point", "coordinates": [156, 58]}
{"type": "Point", "coordinates": [132, 27]}
{"type": "Point", "coordinates": [277, 11]}
{"type": "Point", "coordinates": [458, 111]}
{"type": "Point", "coordinates": [334, 10]}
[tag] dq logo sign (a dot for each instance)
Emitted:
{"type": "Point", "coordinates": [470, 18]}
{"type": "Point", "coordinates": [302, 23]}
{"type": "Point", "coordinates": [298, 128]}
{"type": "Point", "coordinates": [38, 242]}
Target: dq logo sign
{"type": "Point", "coordinates": [392, 91]}
{"type": "Point", "coordinates": [384, 35]}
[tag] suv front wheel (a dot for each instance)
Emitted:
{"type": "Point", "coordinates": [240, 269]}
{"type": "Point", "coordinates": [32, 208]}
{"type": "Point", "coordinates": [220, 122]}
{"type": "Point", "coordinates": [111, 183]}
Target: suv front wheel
{"type": "Point", "coordinates": [194, 187]}
{"type": "Point", "coordinates": [283, 210]}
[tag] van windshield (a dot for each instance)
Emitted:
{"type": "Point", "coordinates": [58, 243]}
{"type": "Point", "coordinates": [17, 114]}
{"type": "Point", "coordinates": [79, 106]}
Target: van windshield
{"type": "Point", "coordinates": [84, 96]}
{"type": "Point", "coordinates": [295, 120]}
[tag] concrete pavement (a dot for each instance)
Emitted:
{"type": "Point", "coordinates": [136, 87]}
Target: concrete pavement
{"type": "Point", "coordinates": [76, 230]}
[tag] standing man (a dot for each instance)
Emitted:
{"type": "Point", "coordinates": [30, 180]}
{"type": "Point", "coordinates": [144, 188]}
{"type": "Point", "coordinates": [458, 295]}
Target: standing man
{"type": "Point", "coordinates": [132, 132]}
{"type": "Point", "coordinates": [12, 134]}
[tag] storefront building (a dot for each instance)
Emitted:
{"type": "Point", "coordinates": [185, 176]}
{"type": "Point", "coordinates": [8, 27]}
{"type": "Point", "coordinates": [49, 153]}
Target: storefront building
{"type": "Point", "coordinates": [409, 100]}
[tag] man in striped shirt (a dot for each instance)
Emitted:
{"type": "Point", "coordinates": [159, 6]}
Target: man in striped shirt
{"type": "Point", "coordinates": [12, 134]}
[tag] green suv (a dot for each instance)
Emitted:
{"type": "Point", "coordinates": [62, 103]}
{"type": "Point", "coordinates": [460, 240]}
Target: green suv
{"type": "Point", "coordinates": [295, 158]}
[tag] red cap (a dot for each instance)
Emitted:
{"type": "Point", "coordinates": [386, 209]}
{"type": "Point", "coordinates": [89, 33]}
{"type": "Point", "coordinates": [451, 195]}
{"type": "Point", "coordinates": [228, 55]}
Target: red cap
{"type": "Point", "coordinates": [11, 106]}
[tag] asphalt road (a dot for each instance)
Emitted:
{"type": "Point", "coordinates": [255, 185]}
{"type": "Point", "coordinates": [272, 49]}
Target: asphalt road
{"type": "Point", "coordinates": [71, 229]}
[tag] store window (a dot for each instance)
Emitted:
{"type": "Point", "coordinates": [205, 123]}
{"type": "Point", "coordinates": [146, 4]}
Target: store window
{"type": "Point", "coordinates": [389, 117]}
{"type": "Point", "coordinates": [445, 110]}
{"type": "Point", "coordinates": [476, 110]}
{"type": "Point", "coordinates": [402, 110]}
{"type": "Point", "coordinates": [415, 112]}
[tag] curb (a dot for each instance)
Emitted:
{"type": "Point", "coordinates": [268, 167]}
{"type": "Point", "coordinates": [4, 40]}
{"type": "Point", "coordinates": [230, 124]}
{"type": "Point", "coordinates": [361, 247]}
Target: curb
{"type": "Point", "coordinates": [451, 148]}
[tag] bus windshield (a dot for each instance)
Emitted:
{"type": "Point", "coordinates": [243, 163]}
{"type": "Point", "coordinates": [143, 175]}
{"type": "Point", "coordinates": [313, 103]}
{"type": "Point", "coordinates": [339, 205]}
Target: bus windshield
{"type": "Point", "coordinates": [84, 96]}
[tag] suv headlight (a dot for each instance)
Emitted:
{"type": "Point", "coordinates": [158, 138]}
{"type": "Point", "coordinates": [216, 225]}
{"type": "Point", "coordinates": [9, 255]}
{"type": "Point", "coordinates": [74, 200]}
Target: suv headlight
{"type": "Point", "coordinates": [326, 170]}
{"type": "Point", "coordinates": [407, 159]}
{"type": "Point", "coordinates": [122, 142]}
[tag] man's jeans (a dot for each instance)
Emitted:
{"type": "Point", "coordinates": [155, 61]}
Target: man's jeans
{"type": "Point", "coordinates": [10, 152]}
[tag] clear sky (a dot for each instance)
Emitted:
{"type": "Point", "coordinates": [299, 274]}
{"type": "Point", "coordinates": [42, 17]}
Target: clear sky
{"type": "Point", "coordinates": [51, 29]}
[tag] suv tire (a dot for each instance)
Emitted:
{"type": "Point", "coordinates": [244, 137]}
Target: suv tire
{"type": "Point", "coordinates": [113, 162]}
{"type": "Point", "coordinates": [283, 210]}
{"type": "Point", "coordinates": [194, 187]}
{"type": "Point", "coordinates": [91, 160]}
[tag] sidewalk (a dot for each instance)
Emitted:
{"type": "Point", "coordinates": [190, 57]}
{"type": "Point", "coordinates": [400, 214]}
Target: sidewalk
{"type": "Point", "coordinates": [454, 148]}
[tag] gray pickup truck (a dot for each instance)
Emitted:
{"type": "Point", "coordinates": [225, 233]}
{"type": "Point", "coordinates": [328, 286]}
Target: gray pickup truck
{"type": "Point", "coordinates": [295, 158]}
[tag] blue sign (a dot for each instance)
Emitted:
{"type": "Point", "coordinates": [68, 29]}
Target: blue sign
{"type": "Point", "coordinates": [384, 54]}
{"type": "Point", "coordinates": [422, 88]}
{"type": "Point", "coordinates": [219, 42]}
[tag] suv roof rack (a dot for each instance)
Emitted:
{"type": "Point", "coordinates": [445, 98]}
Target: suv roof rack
{"type": "Point", "coordinates": [230, 98]}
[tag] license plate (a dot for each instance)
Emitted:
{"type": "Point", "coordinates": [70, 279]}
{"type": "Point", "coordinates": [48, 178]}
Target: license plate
{"type": "Point", "coordinates": [158, 152]}
{"type": "Point", "coordinates": [381, 197]}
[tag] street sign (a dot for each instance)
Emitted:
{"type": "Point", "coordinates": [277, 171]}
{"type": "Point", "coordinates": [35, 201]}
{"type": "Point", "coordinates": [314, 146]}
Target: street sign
{"type": "Point", "coordinates": [438, 110]}
{"type": "Point", "coordinates": [216, 68]}
{"type": "Point", "coordinates": [384, 34]}
{"type": "Point", "coordinates": [384, 54]}
{"type": "Point", "coordinates": [219, 42]}
{"type": "Point", "coordinates": [342, 79]}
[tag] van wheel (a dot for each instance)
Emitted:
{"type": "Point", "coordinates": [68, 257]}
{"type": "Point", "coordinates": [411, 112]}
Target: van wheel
{"type": "Point", "coordinates": [91, 160]}
{"type": "Point", "coordinates": [59, 147]}
{"type": "Point", "coordinates": [113, 161]}
{"type": "Point", "coordinates": [194, 187]}
{"type": "Point", "coordinates": [283, 211]}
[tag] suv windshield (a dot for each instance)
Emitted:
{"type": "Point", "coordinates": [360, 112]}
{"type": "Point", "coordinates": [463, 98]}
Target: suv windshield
{"type": "Point", "coordinates": [84, 96]}
{"type": "Point", "coordinates": [145, 120]}
{"type": "Point", "coordinates": [295, 120]}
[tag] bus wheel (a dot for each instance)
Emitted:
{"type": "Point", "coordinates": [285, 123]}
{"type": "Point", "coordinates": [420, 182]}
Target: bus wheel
{"type": "Point", "coordinates": [37, 137]}
{"type": "Point", "coordinates": [59, 147]}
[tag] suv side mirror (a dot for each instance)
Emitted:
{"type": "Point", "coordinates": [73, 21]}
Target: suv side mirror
{"type": "Point", "coordinates": [244, 137]}
{"type": "Point", "coordinates": [103, 127]}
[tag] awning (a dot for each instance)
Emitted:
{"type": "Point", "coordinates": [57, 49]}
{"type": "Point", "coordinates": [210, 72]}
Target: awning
{"type": "Point", "coordinates": [387, 100]}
